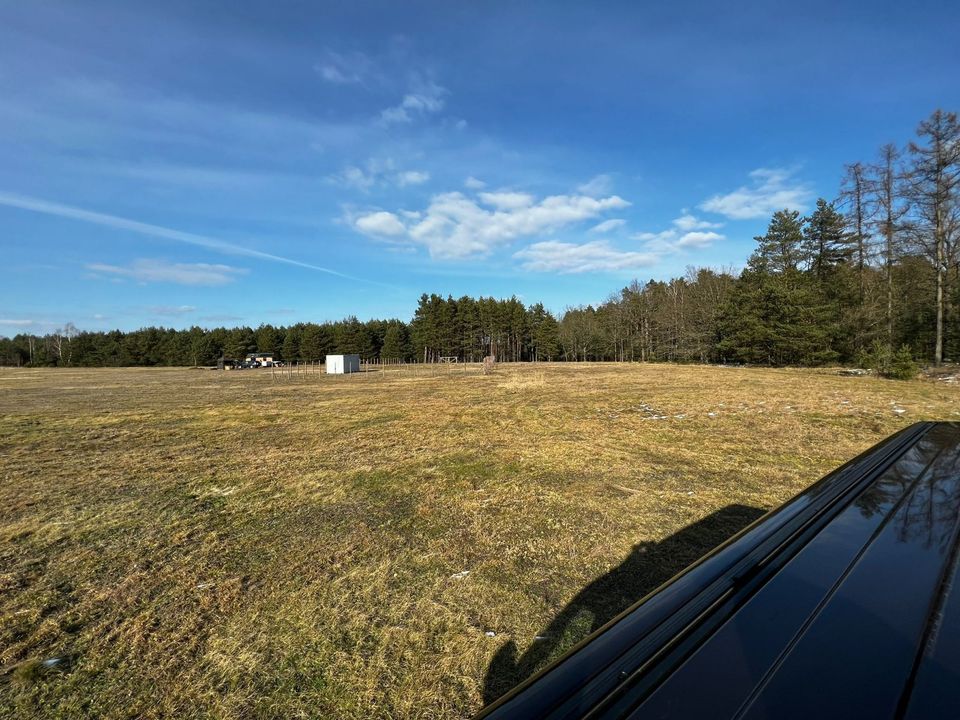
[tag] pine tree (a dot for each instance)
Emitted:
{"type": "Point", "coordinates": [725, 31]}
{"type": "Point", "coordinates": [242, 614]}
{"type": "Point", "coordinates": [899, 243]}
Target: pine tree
{"type": "Point", "coordinates": [825, 241]}
{"type": "Point", "coordinates": [290, 351]}
{"type": "Point", "coordinates": [395, 343]}
{"type": "Point", "coordinates": [782, 247]}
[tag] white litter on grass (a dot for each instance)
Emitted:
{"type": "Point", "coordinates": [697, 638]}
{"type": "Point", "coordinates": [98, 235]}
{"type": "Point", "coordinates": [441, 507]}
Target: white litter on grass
{"type": "Point", "coordinates": [490, 633]}
{"type": "Point", "coordinates": [205, 585]}
{"type": "Point", "coordinates": [899, 411]}
{"type": "Point", "coordinates": [711, 414]}
{"type": "Point", "coordinates": [461, 574]}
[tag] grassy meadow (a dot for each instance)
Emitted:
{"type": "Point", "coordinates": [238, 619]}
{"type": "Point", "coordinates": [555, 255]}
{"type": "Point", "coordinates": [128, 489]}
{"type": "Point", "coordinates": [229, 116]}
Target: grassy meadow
{"type": "Point", "coordinates": [200, 544]}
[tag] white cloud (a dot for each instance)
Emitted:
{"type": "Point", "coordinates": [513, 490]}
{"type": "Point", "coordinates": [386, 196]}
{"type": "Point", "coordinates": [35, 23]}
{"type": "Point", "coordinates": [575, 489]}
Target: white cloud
{"type": "Point", "coordinates": [599, 185]}
{"type": "Point", "coordinates": [426, 99]}
{"type": "Point", "coordinates": [687, 222]}
{"type": "Point", "coordinates": [456, 226]}
{"type": "Point", "coordinates": [380, 223]}
{"type": "Point", "coordinates": [770, 189]}
{"type": "Point", "coordinates": [148, 271]}
{"type": "Point", "coordinates": [566, 258]}
{"type": "Point", "coordinates": [608, 225]}
{"type": "Point", "coordinates": [473, 183]}
{"type": "Point", "coordinates": [412, 177]}
{"type": "Point", "coordinates": [682, 236]}
{"type": "Point", "coordinates": [698, 239]}
{"type": "Point", "coordinates": [507, 200]}
{"type": "Point", "coordinates": [16, 322]}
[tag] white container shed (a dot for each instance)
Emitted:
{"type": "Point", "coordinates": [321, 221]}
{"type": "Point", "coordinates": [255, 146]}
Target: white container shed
{"type": "Point", "coordinates": [340, 364]}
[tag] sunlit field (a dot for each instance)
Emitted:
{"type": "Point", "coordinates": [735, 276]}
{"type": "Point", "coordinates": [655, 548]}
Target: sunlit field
{"type": "Point", "coordinates": [193, 543]}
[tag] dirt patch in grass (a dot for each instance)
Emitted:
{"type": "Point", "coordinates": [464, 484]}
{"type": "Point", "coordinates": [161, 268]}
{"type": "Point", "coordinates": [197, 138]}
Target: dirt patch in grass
{"type": "Point", "coordinates": [208, 544]}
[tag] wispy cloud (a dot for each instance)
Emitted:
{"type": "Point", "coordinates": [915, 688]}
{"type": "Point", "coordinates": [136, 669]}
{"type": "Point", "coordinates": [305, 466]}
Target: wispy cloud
{"type": "Point", "coordinates": [687, 222]}
{"type": "Point", "coordinates": [346, 69]}
{"type": "Point", "coordinates": [221, 318]}
{"type": "Point", "coordinates": [472, 183]}
{"type": "Point", "coordinates": [608, 225]}
{"type": "Point", "coordinates": [171, 310]}
{"type": "Point", "coordinates": [412, 177]}
{"type": "Point", "coordinates": [66, 211]}
{"type": "Point", "coordinates": [426, 99]}
{"type": "Point", "coordinates": [16, 322]}
{"type": "Point", "coordinates": [698, 239]}
{"type": "Point", "coordinates": [598, 185]}
{"type": "Point", "coordinates": [161, 271]}
{"type": "Point", "coordinates": [455, 226]}
{"type": "Point", "coordinates": [770, 189]}
{"type": "Point", "coordinates": [377, 172]}
{"type": "Point", "coordinates": [568, 258]}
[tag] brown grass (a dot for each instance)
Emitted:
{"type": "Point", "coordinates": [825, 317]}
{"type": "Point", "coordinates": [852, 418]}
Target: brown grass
{"type": "Point", "coordinates": [200, 544]}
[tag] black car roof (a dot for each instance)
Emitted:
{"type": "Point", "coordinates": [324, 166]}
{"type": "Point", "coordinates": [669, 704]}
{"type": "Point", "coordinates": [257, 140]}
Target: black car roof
{"type": "Point", "coordinates": [841, 603]}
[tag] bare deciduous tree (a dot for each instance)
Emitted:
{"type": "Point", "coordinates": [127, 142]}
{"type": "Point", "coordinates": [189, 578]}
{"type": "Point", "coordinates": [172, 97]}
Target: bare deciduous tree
{"type": "Point", "coordinates": [885, 184]}
{"type": "Point", "coordinates": [933, 182]}
{"type": "Point", "coordinates": [855, 199]}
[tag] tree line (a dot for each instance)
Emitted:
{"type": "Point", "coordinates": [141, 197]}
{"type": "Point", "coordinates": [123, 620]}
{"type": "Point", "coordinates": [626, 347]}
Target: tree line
{"type": "Point", "coordinates": [872, 273]}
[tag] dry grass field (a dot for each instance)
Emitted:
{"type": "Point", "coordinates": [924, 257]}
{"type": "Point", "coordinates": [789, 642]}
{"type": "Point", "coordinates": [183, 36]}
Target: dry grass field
{"type": "Point", "coordinates": [194, 544]}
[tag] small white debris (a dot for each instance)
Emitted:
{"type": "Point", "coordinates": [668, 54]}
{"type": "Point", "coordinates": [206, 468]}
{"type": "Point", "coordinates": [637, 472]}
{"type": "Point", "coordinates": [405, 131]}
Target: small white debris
{"type": "Point", "coordinates": [490, 633]}
{"type": "Point", "coordinates": [461, 574]}
{"type": "Point", "coordinates": [711, 414]}
{"type": "Point", "coordinates": [899, 411]}
{"type": "Point", "coordinates": [539, 637]}
{"type": "Point", "coordinates": [205, 585]}
{"type": "Point", "coordinates": [689, 492]}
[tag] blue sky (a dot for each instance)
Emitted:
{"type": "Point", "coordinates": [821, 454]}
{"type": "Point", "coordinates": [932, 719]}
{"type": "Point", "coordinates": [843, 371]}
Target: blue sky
{"type": "Point", "coordinates": [185, 163]}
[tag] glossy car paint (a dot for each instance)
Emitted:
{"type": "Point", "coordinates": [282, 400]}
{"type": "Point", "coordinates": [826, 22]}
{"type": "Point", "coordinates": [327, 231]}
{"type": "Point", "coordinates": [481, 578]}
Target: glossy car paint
{"type": "Point", "coordinates": [838, 604]}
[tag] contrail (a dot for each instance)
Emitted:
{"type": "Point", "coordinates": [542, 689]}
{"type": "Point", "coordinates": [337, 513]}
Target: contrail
{"type": "Point", "coordinates": [49, 208]}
